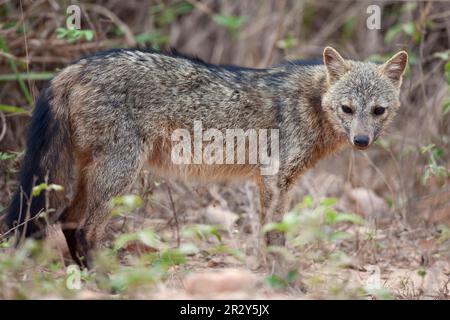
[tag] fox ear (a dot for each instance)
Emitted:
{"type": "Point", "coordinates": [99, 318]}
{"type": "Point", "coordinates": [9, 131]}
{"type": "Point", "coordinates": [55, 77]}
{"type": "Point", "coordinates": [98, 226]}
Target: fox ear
{"type": "Point", "coordinates": [395, 67]}
{"type": "Point", "coordinates": [336, 65]}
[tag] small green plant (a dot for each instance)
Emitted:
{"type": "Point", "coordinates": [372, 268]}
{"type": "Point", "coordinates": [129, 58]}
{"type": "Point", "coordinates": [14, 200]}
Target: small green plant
{"type": "Point", "coordinates": [287, 42]}
{"type": "Point", "coordinates": [314, 231]}
{"type": "Point", "coordinates": [445, 233]}
{"type": "Point", "coordinates": [278, 282]}
{"type": "Point", "coordinates": [155, 39]}
{"type": "Point", "coordinates": [33, 269]}
{"type": "Point", "coordinates": [165, 14]}
{"type": "Point", "coordinates": [146, 269]}
{"type": "Point", "coordinates": [47, 187]}
{"type": "Point", "coordinates": [408, 28]}
{"type": "Point", "coordinates": [202, 231]}
{"type": "Point", "coordinates": [12, 63]}
{"type": "Point", "coordinates": [446, 106]}
{"type": "Point", "coordinates": [445, 56]}
{"type": "Point", "coordinates": [306, 223]}
{"type": "Point", "coordinates": [146, 237]}
{"type": "Point", "coordinates": [125, 204]}
{"type": "Point", "coordinates": [72, 35]}
{"type": "Point", "coordinates": [232, 23]}
{"type": "Point", "coordinates": [433, 168]}
{"type": "Point", "coordinates": [11, 109]}
{"type": "Point", "coordinates": [7, 156]}
{"type": "Point", "coordinates": [348, 28]}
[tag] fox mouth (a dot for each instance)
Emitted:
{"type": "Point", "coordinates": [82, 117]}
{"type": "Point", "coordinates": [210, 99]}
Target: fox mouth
{"type": "Point", "coordinates": [361, 148]}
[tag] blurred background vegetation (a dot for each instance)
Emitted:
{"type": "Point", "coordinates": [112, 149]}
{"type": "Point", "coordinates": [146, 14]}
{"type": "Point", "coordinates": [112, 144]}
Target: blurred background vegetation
{"type": "Point", "coordinates": [402, 181]}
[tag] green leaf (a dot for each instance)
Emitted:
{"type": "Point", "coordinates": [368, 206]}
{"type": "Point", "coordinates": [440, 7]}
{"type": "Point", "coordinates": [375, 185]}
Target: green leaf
{"type": "Point", "coordinates": [12, 64]}
{"type": "Point", "coordinates": [288, 42]}
{"type": "Point", "coordinates": [444, 230]}
{"type": "Point", "coordinates": [224, 249]}
{"type": "Point", "coordinates": [149, 238]}
{"type": "Point", "coordinates": [89, 35]}
{"type": "Point", "coordinates": [290, 222]}
{"type": "Point", "coordinates": [125, 204]}
{"type": "Point", "coordinates": [43, 186]}
{"type": "Point", "coordinates": [156, 39]}
{"type": "Point", "coordinates": [447, 72]}
{"type": "Point", "coordinates": [166, 14]}
{"type": "Point", "coordinates": [172, 258]}
{"type": "Point", "coordinates": [130, 200]}
{"type": "Point", "coordinates": [330, 217]}
{"type": "Point", "coordinates": [272, 226]}
{"type": "Point", "coordinates": [340, 235]}
{"type": "Point", "coordinates": [202, 231]}
{"type": "Point", "coordinates": [437, 153]}
{"type": "Point", "coordinates": [422, 273]}
{"type": "Point", "coordinates": [188, 248]}
{"type": "Point", "coordinates": [392, 32]}
{"type": "Point", "coordinates": [409, 7]}
{"type": "Point", "coordinates": [11, 109]}
{"type": "Point", "coordinates": [329, 202]}
{"type": "Point", "coordinates": [131, 277]}
{"type": "Point", "coordinates": [124, 239]}
{"type": "Point", "coordinates": [146, 237]}
{"type": "Point", "coordinates": [427, 148]}
{"type": "Point", "coordinates": [38, 189]}
{"type": "Point", "coordinates": [55, 187]}
{"type": "Point", "coordinates": [409, 28]}
{"type": "Point", "coordinates": [308, 201]}
{"type": "Point", "coordinates": [443, 55]}
{"type": "Point", "coordinates": [6, 156]}
{"type": "Point", "coordinates": [446, 107]}
{"type": "Point", "coordinates": [349, 217]}
{"type": "Point", "coordinates": [72, 35]}
{"type": "Point", "coordinates": [349, 27]}
{"type": "Point", "coordinates": [232, 23]}
{"type": "Point", "coordinates": [333, 217]}
{"type": "Point", "coordinates": [27, 76]}
{"type": "Point", "coordinates": [382, 294]}
{"type": "Point", "coordinates": [276, 282]}
{"type": "Point", "coordinates": [383, 143]}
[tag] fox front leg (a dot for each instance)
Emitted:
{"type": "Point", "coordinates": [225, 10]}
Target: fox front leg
{"type": "Point", "coordinates": [274, 198]}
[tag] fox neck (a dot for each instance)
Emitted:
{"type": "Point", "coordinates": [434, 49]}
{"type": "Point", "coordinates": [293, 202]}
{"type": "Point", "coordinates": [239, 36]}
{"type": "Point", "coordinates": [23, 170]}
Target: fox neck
{"type": "Point", "coordinates": [313, 120]}
{"type": "Point", "coordinates": [329, 139]}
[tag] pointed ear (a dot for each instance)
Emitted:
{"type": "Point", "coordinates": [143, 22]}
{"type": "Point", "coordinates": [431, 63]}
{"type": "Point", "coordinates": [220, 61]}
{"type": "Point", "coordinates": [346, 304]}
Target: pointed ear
{"type": "Point", "coordinates": [335, 65]}
{"type": "Point", "coordinates": [395, 67]}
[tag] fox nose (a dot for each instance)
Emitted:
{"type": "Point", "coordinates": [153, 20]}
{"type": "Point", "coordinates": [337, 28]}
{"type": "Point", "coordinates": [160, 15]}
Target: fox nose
{"type": "Point", "coordinates": [361, 141]}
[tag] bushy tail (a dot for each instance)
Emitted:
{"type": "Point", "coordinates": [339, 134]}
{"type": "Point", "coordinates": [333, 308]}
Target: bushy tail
{"type": "Point", "coordinates": [47, 158]}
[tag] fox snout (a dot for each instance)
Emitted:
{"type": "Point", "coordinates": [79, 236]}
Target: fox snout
{"type": "Point", "coordinates": [361, 141]}
{"type": "Point", "coordinates": [362, 132]}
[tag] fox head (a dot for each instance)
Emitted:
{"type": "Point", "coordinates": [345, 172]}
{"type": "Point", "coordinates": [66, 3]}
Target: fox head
{"type": "Point", "coordinates": [362, 97]}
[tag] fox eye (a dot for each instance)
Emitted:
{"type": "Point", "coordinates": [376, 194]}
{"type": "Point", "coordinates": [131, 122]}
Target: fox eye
{"type": "Point", "coordinates": [347, 109]}
{"type": "Point", "coordinates": [378, 111]}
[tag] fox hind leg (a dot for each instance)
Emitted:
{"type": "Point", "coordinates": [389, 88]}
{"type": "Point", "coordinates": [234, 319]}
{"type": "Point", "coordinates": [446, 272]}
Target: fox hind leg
{"type": "Point", "coordinates": [74, 214]}
{"type": "Point", "coordinates": [109, 175]}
